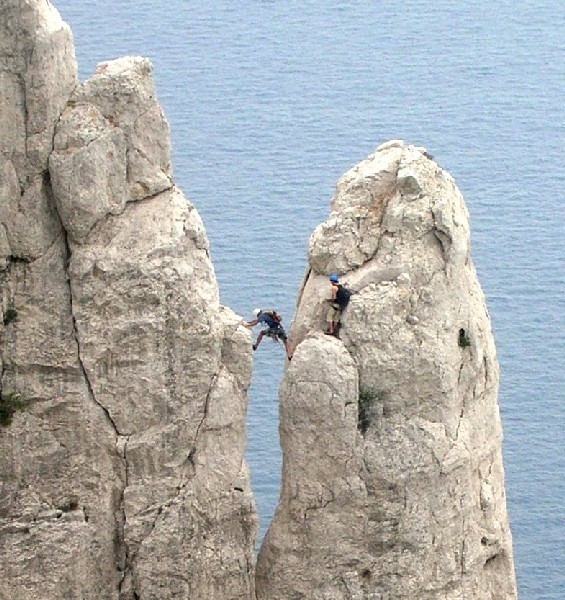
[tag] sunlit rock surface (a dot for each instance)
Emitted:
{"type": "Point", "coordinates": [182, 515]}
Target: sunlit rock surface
{"type": "Point", "coordinates": [393, 484]}
{"type": "Point", "coordinates": [122, 472]}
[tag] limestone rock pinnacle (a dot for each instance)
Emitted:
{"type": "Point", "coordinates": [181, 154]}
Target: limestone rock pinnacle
{"type": "Point", "coordinates": [122, 472]}
{"type": "Point", "coordinates": [393, 483]}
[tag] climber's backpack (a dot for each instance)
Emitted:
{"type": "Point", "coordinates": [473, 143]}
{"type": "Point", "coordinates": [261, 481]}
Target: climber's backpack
{"type": "Point", "coordinates": [274, 315]}
{"type": "Point", "coordinates": [342, 297]}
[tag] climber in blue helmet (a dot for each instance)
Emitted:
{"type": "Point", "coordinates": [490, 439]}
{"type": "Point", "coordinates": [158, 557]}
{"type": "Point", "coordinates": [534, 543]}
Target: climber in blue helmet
{"type": "Point", "coordinates": [338, 301]}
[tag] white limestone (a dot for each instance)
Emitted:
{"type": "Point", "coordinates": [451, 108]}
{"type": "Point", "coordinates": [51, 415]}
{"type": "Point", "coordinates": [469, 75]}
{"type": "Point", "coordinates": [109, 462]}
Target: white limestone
{"type": "Point", "coordinates": [415, 507]}
{"type": "Point", "coordinates": [124, 475]}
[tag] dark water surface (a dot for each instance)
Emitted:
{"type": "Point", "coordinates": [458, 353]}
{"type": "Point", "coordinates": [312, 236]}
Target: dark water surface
{"type": "Point", "coordinates": [270, 102]}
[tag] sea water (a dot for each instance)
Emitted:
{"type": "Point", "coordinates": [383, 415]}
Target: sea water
{"type": "Point", "coordinates": [270, 102]}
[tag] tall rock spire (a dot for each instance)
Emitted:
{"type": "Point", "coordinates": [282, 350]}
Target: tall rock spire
{"type": "Point", "coordinates": [124, 381]}
{"type": "Point", "coordinates": [393, 483]}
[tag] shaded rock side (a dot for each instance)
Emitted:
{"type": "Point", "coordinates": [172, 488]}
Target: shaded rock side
{"type": "Point", "coordinates": [124, 381]}
{"type": "Point", "coordinates": [393, 483]}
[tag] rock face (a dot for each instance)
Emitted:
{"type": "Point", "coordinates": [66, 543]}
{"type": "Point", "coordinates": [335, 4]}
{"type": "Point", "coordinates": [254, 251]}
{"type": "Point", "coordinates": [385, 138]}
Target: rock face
{"type": "Point", "coordinates": [124, 380]}
{"type": "Point", "coordinates": [393, 483]}
{"type": "Point", "coordinates": [122, 475]}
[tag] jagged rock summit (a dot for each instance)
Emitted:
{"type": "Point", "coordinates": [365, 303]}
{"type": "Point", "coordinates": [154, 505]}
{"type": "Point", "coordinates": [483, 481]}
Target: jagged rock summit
{"type": "Point", "coordinates": [122, 476]}
{"type": "Point", "coordinates": [393, 484]}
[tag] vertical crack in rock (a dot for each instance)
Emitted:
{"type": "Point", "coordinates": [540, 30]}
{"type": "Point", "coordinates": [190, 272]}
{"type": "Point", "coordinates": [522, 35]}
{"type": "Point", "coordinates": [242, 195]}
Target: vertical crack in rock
{"type": "Point", "coordinates": [443, 236]}
{"type": "Point", "coordinates": [26, 109]}
{"type": "Point", "coordinates": [79, 354]}
{"type": "Point", "coordinates": [126, 559]}
{"type": "Point", "coordinates": [462, 401]}
{"type": "Point", "coordinates": [120, 439]}
{"type": "Point", "coordinates": [23, 90]}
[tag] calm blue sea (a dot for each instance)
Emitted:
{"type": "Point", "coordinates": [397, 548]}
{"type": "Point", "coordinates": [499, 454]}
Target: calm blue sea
{"type": "Point", "coordinates": [270, 102]}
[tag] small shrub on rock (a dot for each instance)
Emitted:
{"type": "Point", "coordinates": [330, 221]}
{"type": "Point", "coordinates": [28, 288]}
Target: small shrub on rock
{"type": "Point", "coordinates": [367, 400]}
{"type": "Point", "coordinates": [10, 314]}
{"type": "Point", "coordinates": [9, 404]}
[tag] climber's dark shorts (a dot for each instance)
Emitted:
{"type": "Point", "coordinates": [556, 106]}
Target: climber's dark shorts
{"type": "Point", "coordinates": [276, 332]}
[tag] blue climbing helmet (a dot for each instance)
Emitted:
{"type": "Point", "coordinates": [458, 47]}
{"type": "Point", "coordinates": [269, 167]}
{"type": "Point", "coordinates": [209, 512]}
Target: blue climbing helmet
{"type": "Point", "coordinates": [334, 278]}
